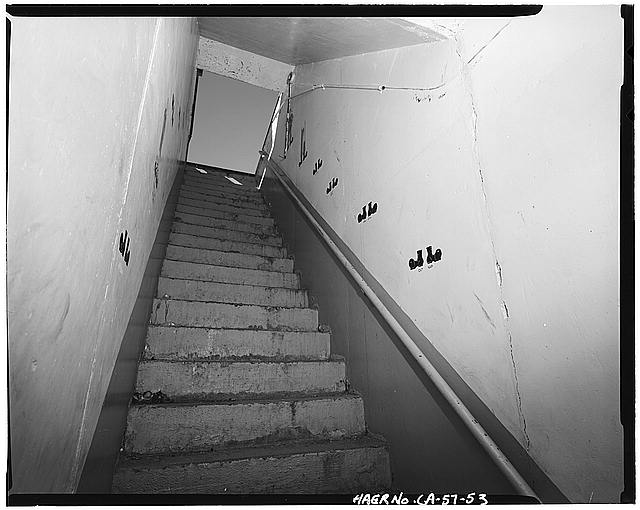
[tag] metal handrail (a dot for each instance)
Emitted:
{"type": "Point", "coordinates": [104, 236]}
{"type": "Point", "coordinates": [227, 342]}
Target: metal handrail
{"type": "Point", "coordinates": [490, 447]}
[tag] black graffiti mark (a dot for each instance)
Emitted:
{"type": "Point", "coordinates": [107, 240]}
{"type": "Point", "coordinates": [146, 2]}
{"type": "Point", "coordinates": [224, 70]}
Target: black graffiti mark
{"type": "Point", "coordinates": [173, 99]}
{"type": "Point", "coordinates": [123, 246]}
{"type": "Point", "coordinates": [159, 158]}
{"type": "Point", "coordinates": [420, 98]}
{"type": "Point", "coordinates": [419, 262]}
{"type": "Point", "coordinates": [332, 184]}
{"type": "Point", "coordinates": [431, 258]}
{"type": "Point", "coordinates": [317, 166]}
{"type": "Point", "coordinates": [303, 147]}
{"type": "Point", "coordinates": [367, 213]}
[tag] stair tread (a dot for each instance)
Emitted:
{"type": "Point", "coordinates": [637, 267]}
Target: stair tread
{"type": "Point", "coordinates": [210, 282]}
{"type": "Point", "coordinates": [208, 189]}
{"type": "Point", "coordinates": [246, 219]}
{"type": "Point", "coordinates": [205, 204]}
{"type": "Point", "coordinates": [334, 358]}
{"type": "Point", "coordinates": [220, 232]}
{"type": "Point", "coordinates": [262, 399]}
{"type": "Point", "coordinates": [179, 219]}
{"type": "Point", "coordinates": [231, 453]}
{"type": "Point", "coordinates": [205, 197]}
{"type": "Point", "coordinates": [200, 301]}
{"type": "Point", "coordinates": [228, 251]}
{"type": "Point", "coordinates": [242, 245]}
{"type": "Point", "coordinates": [218, 265]}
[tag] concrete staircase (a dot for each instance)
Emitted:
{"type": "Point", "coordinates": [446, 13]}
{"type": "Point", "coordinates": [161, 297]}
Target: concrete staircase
{"type": "Point", "coordinates": [255, 402]}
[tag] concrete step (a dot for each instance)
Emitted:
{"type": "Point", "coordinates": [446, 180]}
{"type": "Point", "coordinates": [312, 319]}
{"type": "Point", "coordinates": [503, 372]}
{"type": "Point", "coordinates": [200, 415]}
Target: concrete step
{"type": "Point", "coordinates": [221, 274]}
{"type": "Point", "coordinates": [207, 221]}
{"type": "Point", "coordinates": [228, 187]}
{"type": "Point", "coordinates": [212, 213]}
{"type": "Point", "coordinates": [248, 182]}
{"type": "Point", "coordinates": [334, 467]}
{"type": "Point", "coordinates": [191, 427]}
{"type": "Point", "coordinates": [223, 233]}
{"type": "Point", "coordinates": [215, 191]}
{"type": "Point", "coordinates": [225, 258]}
{"type": "Point", "coordinates": [211, 243]}
{"type": "Point", "coordinates": [174, 312]}
{"type": "Point", "coordinates": [196, 290]}
{"type": "Point", "coordinates": [193, 195]}
{"type": "Point", "coordinates": [225, 380]}
{"type": "Point", "coordinates": [183, 343]}
{"type": "Point", "coordinates": [219, 175]}
{"type": "Point", "coordinates": [204, 204]}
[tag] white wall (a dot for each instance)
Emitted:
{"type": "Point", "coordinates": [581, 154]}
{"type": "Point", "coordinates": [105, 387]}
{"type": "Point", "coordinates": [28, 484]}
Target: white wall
{"type": "Point", "coordinates": [94, 104]}
{"type": "Point", "coordinates": [511, 169]}
{"type": "Point", "coordinates": [230, 122]}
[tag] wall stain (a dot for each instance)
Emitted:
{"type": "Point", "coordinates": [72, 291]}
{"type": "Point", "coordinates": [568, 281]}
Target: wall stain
{"type": "Point", "coordinates": [60, 322]}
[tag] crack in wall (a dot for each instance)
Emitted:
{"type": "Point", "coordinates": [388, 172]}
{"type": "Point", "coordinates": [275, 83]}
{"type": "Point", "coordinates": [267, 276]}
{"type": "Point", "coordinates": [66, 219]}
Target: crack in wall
{"type": "Point", "coordinates": [466, 80]}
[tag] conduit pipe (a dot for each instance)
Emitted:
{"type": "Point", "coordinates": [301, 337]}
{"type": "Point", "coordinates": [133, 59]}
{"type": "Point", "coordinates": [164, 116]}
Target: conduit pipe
{"type": "Point", "coordinates": [465, 415]}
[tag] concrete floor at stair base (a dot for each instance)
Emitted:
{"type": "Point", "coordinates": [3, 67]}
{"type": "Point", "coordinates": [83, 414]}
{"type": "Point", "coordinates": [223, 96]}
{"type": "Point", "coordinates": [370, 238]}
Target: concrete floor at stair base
{"type": "Point", "coordinates": [335, 471]}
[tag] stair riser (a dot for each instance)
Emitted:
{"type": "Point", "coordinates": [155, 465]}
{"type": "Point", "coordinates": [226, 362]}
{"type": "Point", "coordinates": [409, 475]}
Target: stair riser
{"type": "Point", "coordinates": [229, 259]}
{"type": "Point", "coordinates": [212, 213]}
{"type": "Point", "coordinates": [155, 429]}
{"type": "Point", "coordinates": [221, 233]}
{"type": "Point", "coordinates": [221, 274]}
{"type": "Point", "coordinates": [193, 195]}
{"type": "Point", "coordinates": [187, 343]}
{"type": "Point", "coordinates": [167, 312]}
{"type": "Point", "coordinates": [335, 472]}
{"type": "Point", "coordinates": [203, 204]}
{"type": "Point", "coordinates": [190, 380]}
{"type": "Point", "coordinates": [214, 191]}
{"type": "Point", "coordinates": [206, 221]}
{"type": "Point", "coordinates": [195, 290]}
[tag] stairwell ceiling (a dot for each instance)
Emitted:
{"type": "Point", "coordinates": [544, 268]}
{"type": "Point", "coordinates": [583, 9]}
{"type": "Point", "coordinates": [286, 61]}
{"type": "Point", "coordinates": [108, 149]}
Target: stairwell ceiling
{"type": "Point", "coordinates": [303, 40]}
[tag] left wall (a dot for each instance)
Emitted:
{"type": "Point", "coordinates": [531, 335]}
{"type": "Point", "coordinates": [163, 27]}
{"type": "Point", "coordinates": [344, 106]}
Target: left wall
{"type": "Point", "coordinates": [98, 122]}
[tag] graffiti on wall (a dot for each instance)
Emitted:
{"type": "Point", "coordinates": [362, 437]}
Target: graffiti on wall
{"type": "Point", "coordinates": [332, 185]}
{"type": "Point", "coordinates": [317, 166]}
{"type": "Point", "coordinates": [123, 246]}
{"type": "Point", "coordinates": [303, 146]}
{"type": "Point", "coordinates": [367, 213]}
{"type": "Point", "coordinates": [431, 258]}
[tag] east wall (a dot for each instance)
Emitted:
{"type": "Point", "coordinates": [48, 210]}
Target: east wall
{"type": "Point", "coordinates": [508, 165]}
{"type": "Point", "coordinates": [99, 117]}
